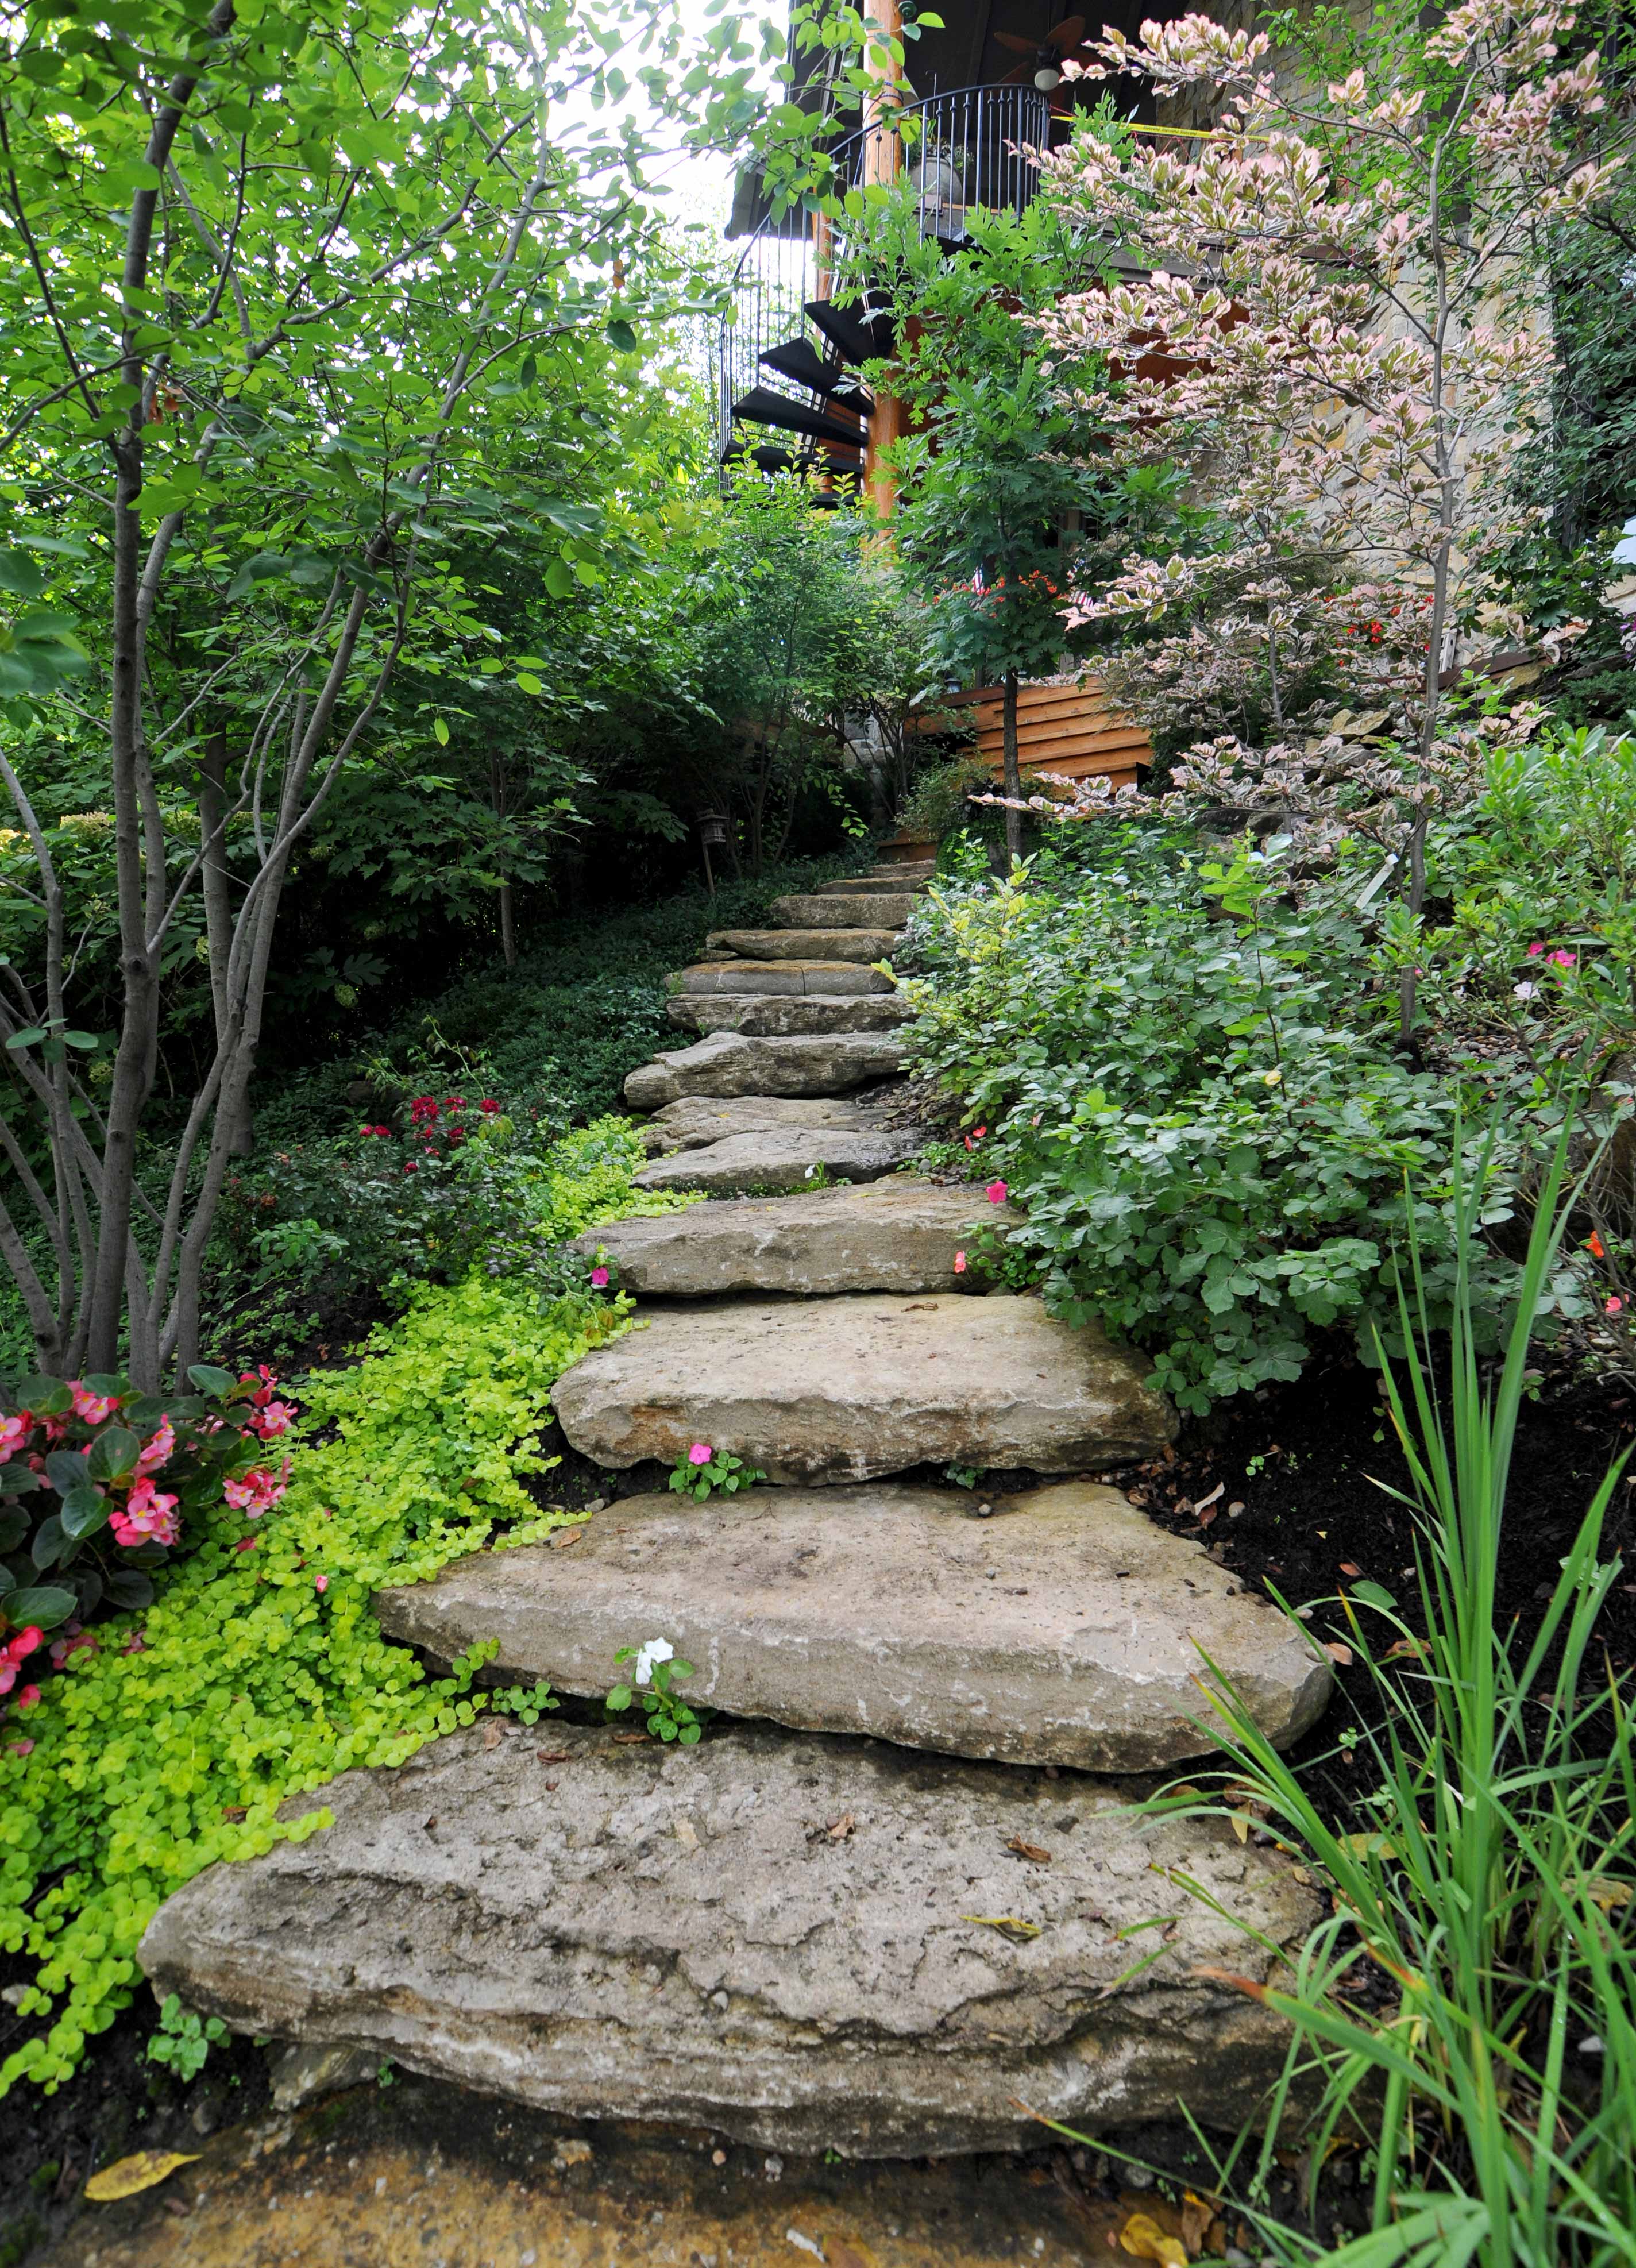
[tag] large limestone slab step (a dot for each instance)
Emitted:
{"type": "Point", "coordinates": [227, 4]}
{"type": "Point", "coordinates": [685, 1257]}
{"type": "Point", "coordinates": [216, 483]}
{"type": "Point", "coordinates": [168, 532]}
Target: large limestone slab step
{"type": "Point", "coordinates": [730, 1062]}
{"type": "Point", "coordinates": [833, 943]}
{"type": "Point", "coordinates": [852, 911]}
{"type": "Point", "coordinates": [826, 1390]}
{"type": "Point", "coordinates": [779, 1015]}
{"type": "Point", "coordinates": [782, 1159]}
{"type": "Point", "coordinates": [808, 979]}
{"type": "Point", "coordinates": [696, 1120]}
{"type": "Point", "coordinates": [901, 1235]}
{"type": "Point", "coordinates": [1070, 1629]}
{"type": "Point", "coordinates": [770, 1934]}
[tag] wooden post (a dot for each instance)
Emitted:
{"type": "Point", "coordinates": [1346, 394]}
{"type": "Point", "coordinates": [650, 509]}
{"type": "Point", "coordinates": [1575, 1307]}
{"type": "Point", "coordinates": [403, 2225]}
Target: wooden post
{"type": "Point", "coordinates": [883, 161]}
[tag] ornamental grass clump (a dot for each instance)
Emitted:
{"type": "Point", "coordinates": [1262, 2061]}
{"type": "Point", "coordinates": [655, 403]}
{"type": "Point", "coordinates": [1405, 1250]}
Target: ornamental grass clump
{"type": "Point", "coordinates": [1469, 2000]}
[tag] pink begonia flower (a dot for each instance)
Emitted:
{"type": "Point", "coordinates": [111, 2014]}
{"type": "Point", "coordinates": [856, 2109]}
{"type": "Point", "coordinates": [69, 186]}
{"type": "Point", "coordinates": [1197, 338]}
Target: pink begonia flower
{"type": "Point", "coordinates": [258, 1490]}
{"type": "Point", "coordinates": [960, 1264]}
{"type": "Point", "coordinates": [146, 1517]}
{"type": "Point", "coordinates": [599, 1277]}
{"type": "Point", "coordinates": [1614, 1307]}
{"type": "Point", "coordinates": [277, 1417]}
{"type": "Point", "coordinates": [1536, 949]}
{"type": "Point", "coordinates": [74, 1640]}
{"type": "Point", "coordinates": [247, 1543]}
{"type": "Point", "coordinates": [699, 1453]}
{"type": "Point", "coordinates": [1564, 960]}
{"type": "Point", "coordinates": [137, 1643]}
{"type": "Point", "coordinates": [27, 1698]}
{"type": "Point", "coordinates": [157, 1449]}
{"type": "Point", "coordinates": [487, 1106]}
{"type": "Point", "coordinates": [320, 1582]}
{"type": "Point", "coordinates": [94, 1408]}
{"type": "Point", "coordinates": [995, 1193]}
{"type": "Point", "coordinates": [22, 1747]}
{"type": "Point", "coordinates": [13, 1432]}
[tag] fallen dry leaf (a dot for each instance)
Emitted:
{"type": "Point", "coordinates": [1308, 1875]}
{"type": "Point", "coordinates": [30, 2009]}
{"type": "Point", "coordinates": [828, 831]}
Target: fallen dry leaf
{"type": "Point", "coordinates": [1348, 1569]}
{"type": "Point", "coordinates": [491, 1735]}
{"type": "Point", "coordinates": [1145, 2240]}
{"type": "Point", "coordinates": [565, 1537]}
{"type": "Point", "coordinates": [1008, 1925]}
{"type": "Point", "coordinates": [838, 1829]}
{"type": "Point", "coordinates": [550, 1756]}
{"type": "Point", "coordinates": [1214, 1497]}
{"type": "Point", "coordinates": [626, 1740]}
{"type": "Point", "coordinates": [848, 2252]}
{"type": "Point", "coordinates": [128, 2175]}
{"type": "Point", "coordinates": [1403, 1647]}
{"type": "Point", "coordinates": [1338, 1653]}
{"type": "Point", "coordinates": [1030, 1851]}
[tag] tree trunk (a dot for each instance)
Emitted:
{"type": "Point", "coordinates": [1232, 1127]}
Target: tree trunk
{"type": "Point", "coordinates": [497, 798]}
{"type": "Point", "coordinates": [1013, 769]}
{"type": "Point", "coordinates": [218, 913]}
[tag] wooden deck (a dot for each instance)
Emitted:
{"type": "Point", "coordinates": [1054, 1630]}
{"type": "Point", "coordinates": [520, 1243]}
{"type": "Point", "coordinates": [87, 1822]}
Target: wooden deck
{"type": "Point", "coordinates": [1071, 730]}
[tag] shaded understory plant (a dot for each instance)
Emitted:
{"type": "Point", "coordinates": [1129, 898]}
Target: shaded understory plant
{"type": "Point", "coordinates": [1468, 1998]}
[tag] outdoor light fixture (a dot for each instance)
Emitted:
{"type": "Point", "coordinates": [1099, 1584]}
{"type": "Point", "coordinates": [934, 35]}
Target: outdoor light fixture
{"type": "Point", "coordinates": [1047, 76]}
{"type": "Point", "coordinates": [713, 831]}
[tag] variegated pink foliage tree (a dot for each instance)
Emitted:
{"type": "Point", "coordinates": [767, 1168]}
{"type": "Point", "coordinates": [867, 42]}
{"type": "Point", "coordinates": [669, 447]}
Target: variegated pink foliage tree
{"type": "Point", "coordinates": [1342, 318]}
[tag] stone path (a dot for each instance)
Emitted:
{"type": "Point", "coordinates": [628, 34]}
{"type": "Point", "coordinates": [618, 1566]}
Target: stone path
{"type": "Point", "coordinates": [883, 1904]}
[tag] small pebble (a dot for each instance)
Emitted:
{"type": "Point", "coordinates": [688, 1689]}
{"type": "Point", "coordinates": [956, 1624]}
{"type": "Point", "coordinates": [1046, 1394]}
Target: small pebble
{"type": "Point", "coordinates": [719, 2157]}
{"type": "Point", "coordinates": [775, 2168]}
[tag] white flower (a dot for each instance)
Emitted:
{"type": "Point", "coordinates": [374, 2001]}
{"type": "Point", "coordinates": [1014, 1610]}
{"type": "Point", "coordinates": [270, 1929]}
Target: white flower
{"type": "Point", "coordinates": [656, 1650]}
{"type": "Point", "coordinates": [1524, 991]}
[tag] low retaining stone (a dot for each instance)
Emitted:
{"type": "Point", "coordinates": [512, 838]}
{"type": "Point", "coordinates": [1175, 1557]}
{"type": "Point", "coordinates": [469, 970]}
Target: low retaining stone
{"type": "Point", "coordinates": [730, 1063]}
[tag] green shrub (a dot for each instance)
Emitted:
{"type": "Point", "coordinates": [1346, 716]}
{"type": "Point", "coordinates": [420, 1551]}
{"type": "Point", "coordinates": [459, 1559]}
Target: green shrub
{"type": "Point", "coordinates": [1189, 1087]}
{"type": "Point", "coordinates": [260, 1670]}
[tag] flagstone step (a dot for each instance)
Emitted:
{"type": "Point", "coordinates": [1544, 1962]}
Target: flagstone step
{"type": "Point", "coordinates": [833, 943]}
{"type": "Point", "coordinates": [805, 979]}
{"type": "Point", "coordinates": [850, 1388]}
{"type": "Point", "coordinates": [693, 1120]}
{"type": "Point", "coordinates": [730, 1063]}
{"type": "Point", "coordinates": [788, 1939]}
{"type": "Point", "coordinates": [1067, 1629]}
{"type": "Point", "coordinates": [852, 911]}
{"type": "Point", "coordinates": [890, 879]}
{"type": "Point", "coordinates": [782, 1160]}
{"type": "Point", "coordinates": [782, 1015]}
{"type": "Point", "coordinates": [900, 1235]}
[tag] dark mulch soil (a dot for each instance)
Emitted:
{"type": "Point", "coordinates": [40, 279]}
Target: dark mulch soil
{"type": "Point", "coordinates": [117, 2102]}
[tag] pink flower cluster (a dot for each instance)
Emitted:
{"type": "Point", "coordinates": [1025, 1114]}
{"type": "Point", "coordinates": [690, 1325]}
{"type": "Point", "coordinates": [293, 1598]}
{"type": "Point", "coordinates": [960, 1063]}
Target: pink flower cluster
{"type": "Point", "coordinates": [13, 1654]}
{"type": "Point", "coordinates": [267, 1418]}
{"type": "Point", "coordinates": [1559, 958]}
{"type": "Point", "coordinates": [258, 1490]}
{"type": "Point", "coordinates": [145, 1517]}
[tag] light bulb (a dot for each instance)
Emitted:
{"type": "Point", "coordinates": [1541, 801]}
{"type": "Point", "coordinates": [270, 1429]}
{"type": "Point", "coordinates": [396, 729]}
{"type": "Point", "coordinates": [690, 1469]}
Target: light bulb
{"type": "Point", "coordinates": [1047, 76]}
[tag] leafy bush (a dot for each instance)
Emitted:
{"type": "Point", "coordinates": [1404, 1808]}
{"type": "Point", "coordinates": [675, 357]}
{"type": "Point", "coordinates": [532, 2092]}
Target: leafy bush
{"type": "Point", "coordinates": [81, 1496]}
{"type": "Point", "coordinates": [1188, 1086]}
{"type": "Point", "coordinates": [170, 1739]}
{"type": "Point", "coordinates": [390, 1205]}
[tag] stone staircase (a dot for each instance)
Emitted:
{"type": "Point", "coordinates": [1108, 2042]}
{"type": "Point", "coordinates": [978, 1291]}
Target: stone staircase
{"type": "Point", "coordinates": [886, 1904]}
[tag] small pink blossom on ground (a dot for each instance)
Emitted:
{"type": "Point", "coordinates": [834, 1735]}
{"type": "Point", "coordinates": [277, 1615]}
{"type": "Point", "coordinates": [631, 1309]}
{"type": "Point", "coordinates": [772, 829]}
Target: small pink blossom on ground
{"type": "Point", "coordinates": [27, 1698]}
{"type": "Point", "coordinates": [1564, 960]}
{"type": "Point", "coordinates": [73, 1640]}
{"type": "Point", "coordinates": [960, 1264]}
{"type": "Point", "coordinates": [258, 1490]}
{"type": "Point", "coordinates": [1614, 1307]}
{"type": "Point", "coordinates": [1536, 949]}
{"type": "Point", "coordinates": [22, 1747]}
{"type": "Point", "coordinates": [699, 1453]}
{"type": "Point", "coordinates": [995, 1193]}
{"type": "Point", "coordinates": [137, 1643]}
{"type": "Point", "coordinates": [599, 1277]}
{"type": "Point", "coordinates": [320, 1583]}
{"type": "Point", "coordinates": [247, 1543]}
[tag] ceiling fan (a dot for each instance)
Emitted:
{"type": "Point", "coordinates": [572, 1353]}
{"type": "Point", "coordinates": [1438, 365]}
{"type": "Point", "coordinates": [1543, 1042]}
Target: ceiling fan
{"type": "Point", "coordinates": [1045, 58]}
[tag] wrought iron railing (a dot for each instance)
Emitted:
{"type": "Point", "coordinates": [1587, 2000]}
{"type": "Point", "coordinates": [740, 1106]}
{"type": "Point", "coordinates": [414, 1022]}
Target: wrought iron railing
{"type": "Point", "coordinates": [952, 153]}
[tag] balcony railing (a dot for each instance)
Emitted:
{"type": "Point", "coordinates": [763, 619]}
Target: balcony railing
{"type": "Point", "coordinates": [950, 154]}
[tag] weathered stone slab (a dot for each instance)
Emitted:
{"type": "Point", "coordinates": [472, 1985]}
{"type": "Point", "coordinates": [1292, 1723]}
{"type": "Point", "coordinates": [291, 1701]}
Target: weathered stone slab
{"type": "Point", "coordinates": [698, 1119]}
{"type": "Point", "coordinates": [781, 1015]}
{"type": "Point", "coordinates": [832, 944]}
{"type": "Point", "coordinates": [826, 1390]}
{"type": "Point", "coordinates": [901, 1235]}
{"type": "Point", "coordinates": [729, 1063]}
{"type": "Point", "coordinates": [769, 1935]}
{"type": "Point", "coordinates": [781, 1160]}
{"type": "Point", "coordinates": [1069, 1629]}
{"type": "Point", "coordinates": [852, 911]}
{"type": "Point", "coordinates": [812, 979]}
{"type": "Point", "coordinates": [890, 879]}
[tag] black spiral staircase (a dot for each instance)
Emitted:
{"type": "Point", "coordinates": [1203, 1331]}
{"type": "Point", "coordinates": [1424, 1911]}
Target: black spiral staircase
{"type": "Point", "coordinates": [789, 397]}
